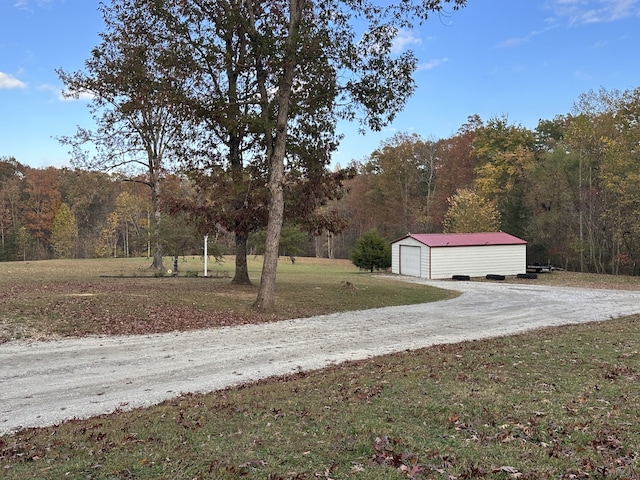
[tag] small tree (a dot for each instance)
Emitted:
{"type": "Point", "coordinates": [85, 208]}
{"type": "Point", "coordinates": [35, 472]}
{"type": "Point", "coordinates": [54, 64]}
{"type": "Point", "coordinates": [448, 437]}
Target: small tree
{"type": "Point", "coordinates": [371, 251]}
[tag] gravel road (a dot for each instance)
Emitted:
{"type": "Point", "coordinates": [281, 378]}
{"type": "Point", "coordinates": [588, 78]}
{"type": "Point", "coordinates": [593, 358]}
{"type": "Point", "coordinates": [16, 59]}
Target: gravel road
{"type": "Point", "coordinates": [45, 383]}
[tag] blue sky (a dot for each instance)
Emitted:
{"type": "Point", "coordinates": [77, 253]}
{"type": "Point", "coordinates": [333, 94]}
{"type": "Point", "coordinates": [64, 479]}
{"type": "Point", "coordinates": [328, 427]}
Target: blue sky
{"type": "Point", "coordinates": [526, 59]}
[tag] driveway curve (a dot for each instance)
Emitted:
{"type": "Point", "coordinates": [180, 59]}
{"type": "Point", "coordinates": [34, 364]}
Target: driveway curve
{"type": "Point", "coordinates": [45, 383]}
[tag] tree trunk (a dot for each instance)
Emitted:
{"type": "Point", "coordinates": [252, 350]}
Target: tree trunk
{"type": "Point", "coordinates": [266, 292]}
{"type": "Point", "coordinates": [241, 276]}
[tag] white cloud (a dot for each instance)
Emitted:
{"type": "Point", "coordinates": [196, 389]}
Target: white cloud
{"type": "Point", "coordinates": [516, 41]}
{"type": "Point", "coordinates": [76, 95]}
{"type": "Point", "coordinates": [9, 81]}
{"type": "Point", "coordinates": [24, 4]}
{"type": "Point", "coordinates": [404, 40]}
{"type": "Point", "coordinates": [595, 11]}
{"type": "Point", "coordinates": [431, 64]}
{"type": "Point", "coordinates": [65, 95]}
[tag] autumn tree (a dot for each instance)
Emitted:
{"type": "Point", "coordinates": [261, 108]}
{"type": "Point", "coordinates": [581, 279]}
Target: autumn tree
{"type": "Point", "coordinates": [552, 234]}
{"type": "Point", "coordinates": [41, 198]}
{"type": "Point", "coordinates": [307, 69]}
{"type": "Point", "coordinates": [592, 127]}
{"type": "Point", "coordinates": [379, 83]}
{"type": "Point", "coordinates": [130, 100]}
{"type": "Point", "coordinates": [64, 232]}
{"type": "Point", "coordinates": [91, 196]}
{"type": "Point", "coordinates": [229, 94]}
{"type": "Point", "coordinates": [619, 175]}
{"type": "Point", "coordinates": [107, 246]}
{"type": "Point", "coordinates": [469, 212]}
{"type": "Point", "coordinates": [402, 183]}
{"type": "Point", "coordinates": [505, 156]}
{"type": "Point", "coordinates": [131, 217]}
{"type": "Point", "coordinates": [210, 45]}
{"type": "Point", "coordinates": [361, 203]}
{"type": "Point", "coordinates": [455, 168]}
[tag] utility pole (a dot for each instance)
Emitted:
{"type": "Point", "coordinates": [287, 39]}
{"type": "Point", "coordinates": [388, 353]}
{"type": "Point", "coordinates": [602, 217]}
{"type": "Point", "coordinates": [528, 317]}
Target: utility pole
{"type": "Point", "coordinates": [206, 254]}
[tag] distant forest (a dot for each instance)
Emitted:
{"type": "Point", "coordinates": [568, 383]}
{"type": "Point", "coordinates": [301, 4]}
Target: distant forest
{"type": "Point", "coordinates": [570, 188]}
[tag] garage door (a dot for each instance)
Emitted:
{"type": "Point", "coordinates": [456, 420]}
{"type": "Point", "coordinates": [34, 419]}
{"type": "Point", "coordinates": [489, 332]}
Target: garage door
{"type": "Point", "coordinates": [410, 260]}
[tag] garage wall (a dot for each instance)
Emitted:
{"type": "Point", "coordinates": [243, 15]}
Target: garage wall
{"type": "Point", "coordinates": [478, 261]}
{"type": "Point", "coordinates": [395, 258]}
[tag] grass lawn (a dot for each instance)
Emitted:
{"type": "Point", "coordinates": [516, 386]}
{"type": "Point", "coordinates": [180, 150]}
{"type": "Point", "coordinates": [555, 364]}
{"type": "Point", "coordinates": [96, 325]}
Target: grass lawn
{"type": "Point", "coordinates": [48, 299]}
{"type": "Point", "coordinates": [558, 403]}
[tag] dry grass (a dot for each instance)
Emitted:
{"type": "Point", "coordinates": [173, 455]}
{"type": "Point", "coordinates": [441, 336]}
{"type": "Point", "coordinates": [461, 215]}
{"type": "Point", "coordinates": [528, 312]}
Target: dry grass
{"type": "Point", "coordinates": [558, 403]}
{"type": "Point", "coordinates": [40, 300]}
{"type": "Point", "coordinates": [588, 280]}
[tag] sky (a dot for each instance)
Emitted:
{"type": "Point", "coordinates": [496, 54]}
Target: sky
{"type": "Point", "coordinates": [523, 59]}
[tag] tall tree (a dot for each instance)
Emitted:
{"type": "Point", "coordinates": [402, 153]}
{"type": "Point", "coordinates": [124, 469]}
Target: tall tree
{"type": "Point", "coordinates": [64, 232]}
{"type": "Point", "coordinates": [11, 185]}
{"type": "Point", "coordinates": [379, 83]}
{"type": "Point", "coordinates": [403, 169]}
{"type": "Point", "coordinates": [91, 197]}
{"type": "Point", "coordinates": [215, 45]}
{"type": "Point", "coordinates": [211, 47]}
{"type": "Point", "coordinates": [130, 101]}
{"type": "Point", "coordinates": [304, 69]}
{"type": "Point", "coordinates": [620, 177]}
{"type": "Point", "coordinates": [131, 216]}
{"type": "Point", "coordinates": [505, 156]}
{"type": "Point", "coordinates": [42, 197]}
{"type": "Point", "coordinates": [586, 136]}
{"type": "Point", "coordinates": [552, 235]}
{"type": "Point", "coordinates": [455, 168]}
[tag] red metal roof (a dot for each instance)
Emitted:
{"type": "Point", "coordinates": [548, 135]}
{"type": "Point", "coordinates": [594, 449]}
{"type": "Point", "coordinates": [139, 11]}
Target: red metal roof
{"type": "Point", "coordinates": [464, 239]}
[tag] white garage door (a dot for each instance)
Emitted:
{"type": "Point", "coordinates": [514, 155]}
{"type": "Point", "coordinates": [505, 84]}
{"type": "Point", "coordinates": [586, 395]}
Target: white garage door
{"type": "Point", "coordinates": [409, 260]}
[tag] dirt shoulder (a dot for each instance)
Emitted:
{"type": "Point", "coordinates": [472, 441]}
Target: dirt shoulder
{"type": "Point", "coordinates": [45, 383]}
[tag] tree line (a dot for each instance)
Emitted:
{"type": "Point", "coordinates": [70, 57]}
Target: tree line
{"type": "Point", "coordinates": [570, 187]}
{"type": "Point", "coordinates": [226, 113]}
{"type": "Point", "coordinates": [70, 213]}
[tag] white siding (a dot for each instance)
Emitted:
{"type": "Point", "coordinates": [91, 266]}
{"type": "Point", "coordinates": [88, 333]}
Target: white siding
{"type": "Point", "coordinates": [395, 258]}
{"type": "Point", "coordinates": [478, 261]}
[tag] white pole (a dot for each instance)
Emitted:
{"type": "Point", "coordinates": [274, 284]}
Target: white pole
{"type": "Point", "coordinates": [206, 254]}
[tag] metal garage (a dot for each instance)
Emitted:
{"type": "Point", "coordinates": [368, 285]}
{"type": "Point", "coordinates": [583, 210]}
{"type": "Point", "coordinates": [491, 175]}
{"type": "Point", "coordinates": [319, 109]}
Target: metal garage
{"type": "Point", "coordinates": [442, 255]}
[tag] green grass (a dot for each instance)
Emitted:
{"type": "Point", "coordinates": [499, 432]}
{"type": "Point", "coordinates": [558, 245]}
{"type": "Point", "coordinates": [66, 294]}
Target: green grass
{"type": "Point", "coordinates": [122, 296]}
{"type": "Point", "coordinates": [556, 403]}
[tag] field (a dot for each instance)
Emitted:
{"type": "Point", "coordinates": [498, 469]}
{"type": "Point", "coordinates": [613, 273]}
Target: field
{"type": "Point", "coordinates": [554, 403]}
{"type": "Point", "coordinates": [50, 299]}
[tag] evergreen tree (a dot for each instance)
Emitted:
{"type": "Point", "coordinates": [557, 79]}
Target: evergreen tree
{"type": "Point", "coordinates": [371, 252]}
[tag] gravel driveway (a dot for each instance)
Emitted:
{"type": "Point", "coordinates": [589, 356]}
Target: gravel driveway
{"type": "Point", "coordinates": [45, 383]}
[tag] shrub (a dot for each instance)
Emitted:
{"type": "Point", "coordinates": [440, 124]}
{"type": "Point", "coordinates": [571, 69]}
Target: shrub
{"type": "Point", "coordinates": [371, 251]}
